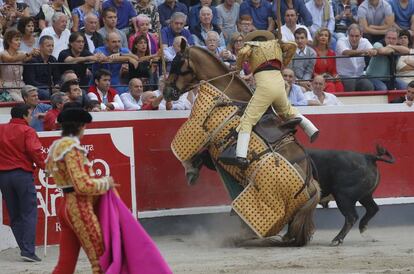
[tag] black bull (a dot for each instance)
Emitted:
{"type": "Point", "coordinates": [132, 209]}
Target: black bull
{"type": "Point", "coordinates": [348, 176]}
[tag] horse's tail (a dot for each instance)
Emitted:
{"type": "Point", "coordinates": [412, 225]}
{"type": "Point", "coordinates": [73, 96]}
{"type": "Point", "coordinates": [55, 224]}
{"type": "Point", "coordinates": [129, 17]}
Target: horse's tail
{"type": "Point", "coordinates": [302, 226]}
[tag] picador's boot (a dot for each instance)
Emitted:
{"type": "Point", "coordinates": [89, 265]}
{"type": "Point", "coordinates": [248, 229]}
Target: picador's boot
{"type": "Point", "coordinates": [309, 128]}
{"type": "Point", "coordinates": [239, 158]}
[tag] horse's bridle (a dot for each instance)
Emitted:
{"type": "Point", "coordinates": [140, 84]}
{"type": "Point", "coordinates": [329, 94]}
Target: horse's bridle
{"type": "Point", "coordinates": [176, 91]}
{"type": "Point", "coordinates": [184, 58]}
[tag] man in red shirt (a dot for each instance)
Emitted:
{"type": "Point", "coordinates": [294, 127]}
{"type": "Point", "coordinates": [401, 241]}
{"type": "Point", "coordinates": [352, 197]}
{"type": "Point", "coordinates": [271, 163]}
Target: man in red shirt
{"type": "Point", "coordinates": [20, 150]}
{"type": "Point", "coordinates": [150, 101]}
{"type": "Point", "coordinates": [103, 93]}
{"type": "Point", "coordinates": [57, 100]}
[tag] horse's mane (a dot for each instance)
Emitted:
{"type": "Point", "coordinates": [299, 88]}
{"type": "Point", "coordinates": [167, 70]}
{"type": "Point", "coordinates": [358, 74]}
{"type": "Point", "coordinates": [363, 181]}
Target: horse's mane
{"type": "Point", "coordinates": [212, 56]}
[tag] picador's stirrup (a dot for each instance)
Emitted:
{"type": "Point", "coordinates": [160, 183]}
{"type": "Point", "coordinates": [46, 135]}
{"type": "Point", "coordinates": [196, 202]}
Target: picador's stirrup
{"type": "Point", "coordinates": [228, 157]}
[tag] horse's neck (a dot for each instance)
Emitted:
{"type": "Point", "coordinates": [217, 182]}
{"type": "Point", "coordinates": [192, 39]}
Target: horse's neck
{"type": "Point", "coordinates": [232, 86]}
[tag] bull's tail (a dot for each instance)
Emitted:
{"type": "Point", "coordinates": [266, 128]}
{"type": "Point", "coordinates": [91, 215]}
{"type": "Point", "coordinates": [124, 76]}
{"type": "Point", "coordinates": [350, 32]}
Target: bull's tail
{"type": "Point", "coordinates": [383, 155]}
{"type": "Point", "coordinates": [302, 227]}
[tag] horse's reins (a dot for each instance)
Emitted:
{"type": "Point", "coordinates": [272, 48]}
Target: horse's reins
{"type": "Point", "coordinates": [232, 73]}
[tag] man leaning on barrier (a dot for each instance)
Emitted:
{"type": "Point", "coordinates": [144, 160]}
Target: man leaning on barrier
{"type": "Point", "coordinates": [46, 75]}
{"type": "Point", "coordinates": [31, 98]}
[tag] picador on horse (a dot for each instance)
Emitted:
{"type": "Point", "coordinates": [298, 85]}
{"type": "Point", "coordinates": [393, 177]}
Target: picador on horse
{"type": "Point", "coordinates": [265, 56]}
{"type": "Point", "coordinates": [263, 167]}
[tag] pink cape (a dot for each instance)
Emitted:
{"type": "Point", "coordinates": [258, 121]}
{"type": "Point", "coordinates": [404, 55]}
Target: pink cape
{"type": "Point", "coordinates": [128, 248]}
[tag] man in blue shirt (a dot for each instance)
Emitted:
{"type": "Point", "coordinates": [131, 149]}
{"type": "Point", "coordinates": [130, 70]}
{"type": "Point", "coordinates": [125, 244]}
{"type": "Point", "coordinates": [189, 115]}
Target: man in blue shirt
{"type": "Point", "coordinates": [176, 28]}
{"type": "Point", "coordinates": [124, 10]}
{"type": "Point", "coordinates": [295, 93]}
{"type": "Point", "coordinates": [116, 55]}
{"type": "Point", "coordinates": [194, 18]}
{"type": "Point", "coordinates": [261, 12]}
{"type": "Point", "coordinates": [304, 16]}
{"type": "Point", "coordinates": [168, 8]}
{"type": "Point", "coordinates": [403, 13]}
{"type": "Point", "coordinates": [31, 98]}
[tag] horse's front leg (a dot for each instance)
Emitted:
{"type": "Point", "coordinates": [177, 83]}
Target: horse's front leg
{"type": "Point", "coordinates": [191, 172]}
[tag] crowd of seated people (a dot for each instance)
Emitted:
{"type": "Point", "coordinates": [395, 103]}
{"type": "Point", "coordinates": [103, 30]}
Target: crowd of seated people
{"type": "Point", "coordinates": [107, 54]}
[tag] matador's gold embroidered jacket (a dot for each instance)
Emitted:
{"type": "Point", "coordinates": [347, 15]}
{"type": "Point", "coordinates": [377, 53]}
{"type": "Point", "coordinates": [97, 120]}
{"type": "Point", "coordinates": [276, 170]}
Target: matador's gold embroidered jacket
{"type": "Point", "coordinates": [259, 52]}
{"type": "Point", "coordinates": [70, 167]}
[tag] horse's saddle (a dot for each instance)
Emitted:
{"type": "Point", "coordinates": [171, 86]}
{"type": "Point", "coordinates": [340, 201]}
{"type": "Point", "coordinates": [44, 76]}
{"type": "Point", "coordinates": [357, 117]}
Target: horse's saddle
{"type": "Point", "coordinates": [271, 129]}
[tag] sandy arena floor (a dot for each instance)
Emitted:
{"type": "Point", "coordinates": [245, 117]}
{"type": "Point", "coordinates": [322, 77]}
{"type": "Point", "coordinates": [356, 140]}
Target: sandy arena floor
{"type": "Point", "coordinates": [391, 252]}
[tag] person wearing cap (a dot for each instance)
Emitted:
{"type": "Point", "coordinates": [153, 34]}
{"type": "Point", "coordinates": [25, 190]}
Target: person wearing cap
{"type": "Point", "coordinates": [266, 56]}
{"type": "Point", "coordinates": [20, 151]}
{"type": "Point", "coordinates": [68, 164]}
{"type": "Point", "coordinates": [31, 97]}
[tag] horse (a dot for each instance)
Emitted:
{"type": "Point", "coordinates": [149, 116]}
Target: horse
{"type": "Point", "coordinates": [277, 188]}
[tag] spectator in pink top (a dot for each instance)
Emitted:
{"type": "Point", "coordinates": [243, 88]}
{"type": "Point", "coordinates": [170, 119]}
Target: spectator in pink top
{"type": "Point", "coordinates": [143, 23]}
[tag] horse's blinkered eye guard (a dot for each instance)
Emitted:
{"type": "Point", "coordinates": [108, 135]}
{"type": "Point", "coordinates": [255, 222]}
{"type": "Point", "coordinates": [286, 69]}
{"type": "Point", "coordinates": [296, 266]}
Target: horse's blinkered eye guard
{"type": "Point", "coordinates": [177, 64]}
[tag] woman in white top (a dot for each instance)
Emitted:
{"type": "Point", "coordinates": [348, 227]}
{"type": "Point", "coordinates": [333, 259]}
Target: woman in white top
{"type": "Point", "coordinates": [26, 27]}
{"type": "Point", "coordinates": [405, 64]}
{"type": "Point", "coordinates": [11, 75]}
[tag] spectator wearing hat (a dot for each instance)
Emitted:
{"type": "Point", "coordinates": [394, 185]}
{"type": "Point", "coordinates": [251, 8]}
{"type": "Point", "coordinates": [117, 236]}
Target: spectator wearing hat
{"type": "Point", "coordinates": [20, 151]}
{"type": "Point", "coordinates": [57, 100]}
{"type": "Point", "coordinates": [103, 93]}
{"type": "Point", "coordinates": [31, 98]}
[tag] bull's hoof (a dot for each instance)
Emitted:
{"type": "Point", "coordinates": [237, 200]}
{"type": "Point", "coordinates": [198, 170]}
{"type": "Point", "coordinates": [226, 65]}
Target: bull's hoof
{"type": "Point", "coordinates": [336, 242]}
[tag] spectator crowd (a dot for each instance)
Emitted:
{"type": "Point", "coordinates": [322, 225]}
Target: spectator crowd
{"type": "Point", "coordinates": [106, 55]}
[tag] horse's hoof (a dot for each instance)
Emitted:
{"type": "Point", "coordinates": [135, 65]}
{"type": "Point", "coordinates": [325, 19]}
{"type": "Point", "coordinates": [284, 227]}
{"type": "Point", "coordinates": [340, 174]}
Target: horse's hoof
{"type": "Point", "coordinates": [234, 241]}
